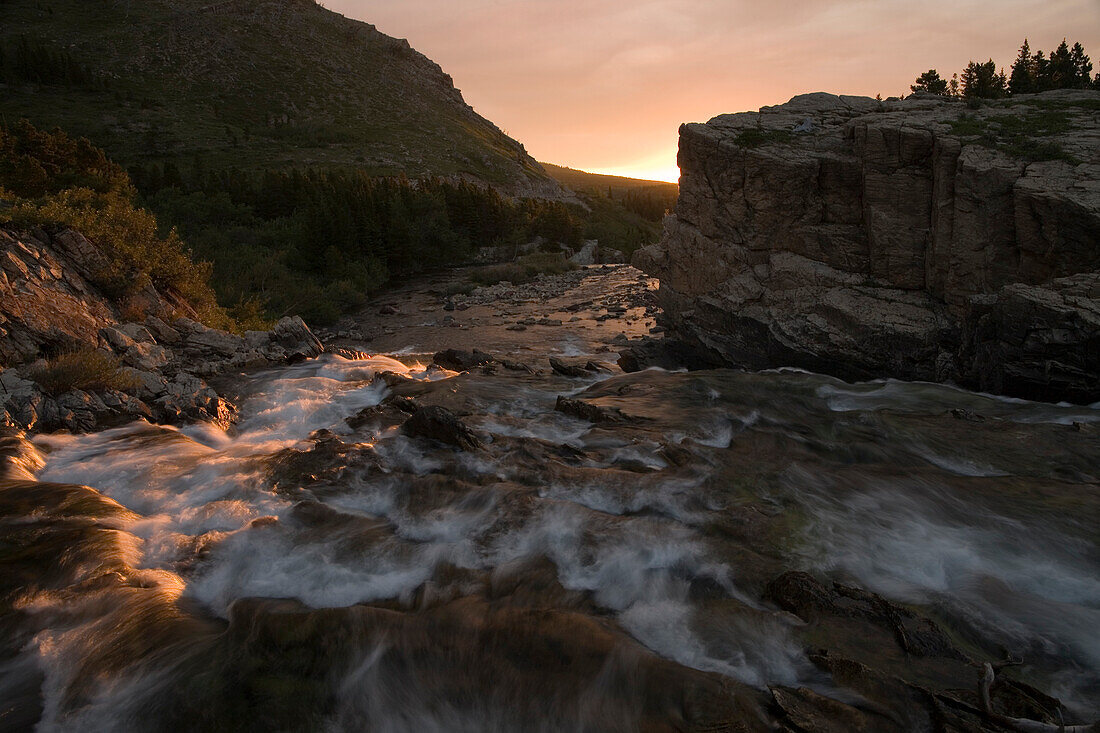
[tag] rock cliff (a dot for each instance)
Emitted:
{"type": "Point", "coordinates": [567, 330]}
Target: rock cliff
{"type": "Point", "coordinates": [49, 307]}
{"type": "Point", "coordinates": [917, 238]}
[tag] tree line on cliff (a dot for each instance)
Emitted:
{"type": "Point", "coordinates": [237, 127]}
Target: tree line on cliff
{"type": "Point", "coordinates": [1065, 68]}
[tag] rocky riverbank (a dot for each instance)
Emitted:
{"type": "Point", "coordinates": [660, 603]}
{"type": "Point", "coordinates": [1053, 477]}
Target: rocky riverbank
{"type": "Point", "coordinates": [917, 239]}
{"type": "Point", "coordinates": [155, 368]}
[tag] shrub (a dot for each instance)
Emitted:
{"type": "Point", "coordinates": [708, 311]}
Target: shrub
{"type": "Point", "coordinates": [53, 180]}
{"type": "Point", "coordinates": [85, 369]}
{"type": "Point", "coordinates": [524, 269]}
{"type": "Point", "coordinates": [755, 136]}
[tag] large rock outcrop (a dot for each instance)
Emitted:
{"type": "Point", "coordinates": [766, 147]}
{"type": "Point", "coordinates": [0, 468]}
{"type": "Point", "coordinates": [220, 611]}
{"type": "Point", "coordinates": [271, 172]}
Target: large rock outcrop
{"type": "Point", "coordinates": [915, 238]}
{"type": "Point", "coordinates": [50, 306]}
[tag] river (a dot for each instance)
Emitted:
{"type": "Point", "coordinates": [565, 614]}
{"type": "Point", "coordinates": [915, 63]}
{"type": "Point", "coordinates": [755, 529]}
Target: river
{"type": "Point", "coordinates": [714, 550]}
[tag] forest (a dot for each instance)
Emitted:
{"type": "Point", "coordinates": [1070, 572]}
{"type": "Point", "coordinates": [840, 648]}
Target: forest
{"type": "Point", "coordinates": [313, 243]}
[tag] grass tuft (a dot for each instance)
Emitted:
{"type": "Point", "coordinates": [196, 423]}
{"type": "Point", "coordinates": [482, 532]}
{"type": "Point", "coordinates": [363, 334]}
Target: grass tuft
{"type": "Point", "coordinates": [86, 369]}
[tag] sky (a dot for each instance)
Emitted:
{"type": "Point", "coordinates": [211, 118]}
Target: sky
{"type": "Point", "coordinates": [603, 85]}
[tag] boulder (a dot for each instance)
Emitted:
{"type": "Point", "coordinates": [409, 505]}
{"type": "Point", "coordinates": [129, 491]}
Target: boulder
{"type": "Point", "coordinates": [568, 370]}
{"type": "Point", "coordinates": [438, 423]}
{"type": "Point", "coordinates": [213, 341]}
{"type": "Point", "coordinates": [147, 355]}
{"type": "Point", "coordinates": [294, 336]}
{"type": "Point", "coordinates": [588, 254]}
{"type": "Point", "coordinates": [460, 361]}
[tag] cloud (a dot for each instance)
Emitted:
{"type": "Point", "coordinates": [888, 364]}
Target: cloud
{"type": "Point", "coordinates": [604, 84]}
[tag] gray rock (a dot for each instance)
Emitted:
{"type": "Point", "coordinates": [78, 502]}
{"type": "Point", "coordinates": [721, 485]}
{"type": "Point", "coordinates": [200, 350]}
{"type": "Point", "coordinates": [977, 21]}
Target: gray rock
{"type": "Point", "coordinates": [119, 341]}
{"type": "Point", "coordinates": [147, 356]}
{"type": "Point", "coordinates": [294, 336]}
{"type": "Point", "coordinates": [164, 333]}
{"type": "Point", "coordinates": [588, 254]}
{"type": "Point", "coordinates": [214, 341]}
{"type": "Point", "coordinates": [257, 339]}
{"type": "Point", "coordinates": [137, 332]}
{"type": "Point", "coordinates": [858, 247]}
{"type": "Point", "coordinates": [150, 384]}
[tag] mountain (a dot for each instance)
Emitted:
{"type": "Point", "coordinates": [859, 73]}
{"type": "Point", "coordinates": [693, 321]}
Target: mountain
{"type": "Point", "coordinates": [585, 182]}
{"type": "Point", "coordinates": [248, 84]}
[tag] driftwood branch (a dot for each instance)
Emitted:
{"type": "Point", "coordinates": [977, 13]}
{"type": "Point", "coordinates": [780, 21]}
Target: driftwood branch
{"type": "Point", "coordinates": [1022, 724]}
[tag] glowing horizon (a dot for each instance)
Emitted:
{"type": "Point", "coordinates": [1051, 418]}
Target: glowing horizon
{"type": "Point", "coordinates": [604, 86]}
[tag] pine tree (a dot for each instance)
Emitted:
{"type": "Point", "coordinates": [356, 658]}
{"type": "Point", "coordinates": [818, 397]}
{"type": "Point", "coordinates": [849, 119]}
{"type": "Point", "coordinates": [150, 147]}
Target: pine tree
{"type": "Point", "coordinates": [982, 81]}
{"type": "Point", "coordinates": [1041, 70]}
{"type": "Point", "coordinates": [930, 82]}
{"type": "Point", "coordinates": [1063, 72]}
{"type": "Point", "coordinates": [1083, 66]}
{"type": "Point", "coordinates": [1022, 80]}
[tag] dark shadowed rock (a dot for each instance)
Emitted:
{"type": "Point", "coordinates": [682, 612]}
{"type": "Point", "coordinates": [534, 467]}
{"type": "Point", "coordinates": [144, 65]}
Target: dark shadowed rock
{"type": "Point", "coordinates": [438, 423]}
{"type": "Point", "coordinates": [588, 411]}
{"type": "Point", "coordinates": [568, 370]}
{"type": "Point", "coordinates": [460, 361]}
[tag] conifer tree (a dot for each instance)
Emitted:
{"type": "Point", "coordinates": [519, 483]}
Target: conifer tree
{"type": "Point", "coordinates": [1022, 79]}
{"type": "Point", "coordinates": [930, 82]}
{"type": "Point", "coordinates": [1082, 65]}
{"type": "Point", "coordinates": [1063, 72]}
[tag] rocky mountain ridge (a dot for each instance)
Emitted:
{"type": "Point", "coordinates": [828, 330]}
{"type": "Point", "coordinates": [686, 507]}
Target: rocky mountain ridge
{"type": "Point", "coordinates": [915, 238]}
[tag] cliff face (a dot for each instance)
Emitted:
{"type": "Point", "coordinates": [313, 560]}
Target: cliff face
{"type": "Point", "coordinates": [916, 239]}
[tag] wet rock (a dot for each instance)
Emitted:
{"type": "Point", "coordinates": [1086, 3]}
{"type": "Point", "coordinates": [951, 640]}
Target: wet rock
{"type": "Point", "coordinates": [460, 361]}
{"type": "Point", "coordinates": [666, 354]}
{"type": "Point", "coordinates": [801, 594]}
{"type": "Point", "coordinates": [598, 367]}
{"type": "Point", "coordinates": [515, 366]}
{"type": "Point", "coordinates": [438, 423]}
{"type": "Point", "coordinates": [567, 370]}
{"type": "Point", "coordinates": [588, 411]}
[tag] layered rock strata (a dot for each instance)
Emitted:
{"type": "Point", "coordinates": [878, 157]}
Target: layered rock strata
{"type": "Point", "coordinates": [918, 238]}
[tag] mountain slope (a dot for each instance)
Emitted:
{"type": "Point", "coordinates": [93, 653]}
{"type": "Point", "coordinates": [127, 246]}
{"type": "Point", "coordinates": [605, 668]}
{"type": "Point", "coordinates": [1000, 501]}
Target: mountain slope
{"type": "Point", "coordinates": [583, 181]}
{"type": "Point", "coordinates": [248, 84]}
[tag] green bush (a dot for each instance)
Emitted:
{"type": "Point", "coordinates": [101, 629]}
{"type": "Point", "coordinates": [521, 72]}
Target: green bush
{"type": "Point", "coordinates": [86, 369]}
{"type": "Point", "coordinates": [523, 270]}
{"type": "Point", "coordinates": [53, 181]}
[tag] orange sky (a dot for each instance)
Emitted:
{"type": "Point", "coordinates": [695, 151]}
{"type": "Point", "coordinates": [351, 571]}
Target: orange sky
{"type": "Point", "coordinates": [603, 85]}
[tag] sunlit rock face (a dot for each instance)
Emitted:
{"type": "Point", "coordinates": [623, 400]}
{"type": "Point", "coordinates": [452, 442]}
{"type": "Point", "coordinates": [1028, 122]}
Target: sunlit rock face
{"type": "Point", "coordinates": [866, 238]}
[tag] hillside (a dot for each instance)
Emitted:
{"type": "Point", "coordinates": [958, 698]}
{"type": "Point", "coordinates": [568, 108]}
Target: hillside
{"type": "Point", "coordinates": [249, 85]}
{"type": "Point", "coordinates": [585, 182]}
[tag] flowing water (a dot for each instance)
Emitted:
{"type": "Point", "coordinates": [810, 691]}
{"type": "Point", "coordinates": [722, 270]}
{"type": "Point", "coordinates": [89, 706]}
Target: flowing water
{"type": "Point", "coordinates": [307, 572]}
